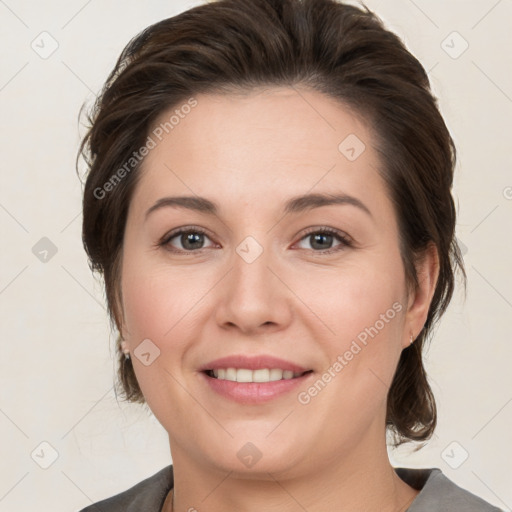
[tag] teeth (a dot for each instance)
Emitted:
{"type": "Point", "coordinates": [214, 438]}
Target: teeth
{"type": "Point", "coordinates": [275, 374]}
{"type": "Point", "coordinates": [262, 375]}
{"type": "Point", "coordinates": [230, 374]}
{"type": "Point", "coordinates": [246, 375]}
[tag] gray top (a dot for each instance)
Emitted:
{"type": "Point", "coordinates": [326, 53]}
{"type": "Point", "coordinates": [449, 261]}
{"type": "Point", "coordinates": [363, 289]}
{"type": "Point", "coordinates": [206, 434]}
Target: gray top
{"type": "Point", "coordinates": [437, 494]}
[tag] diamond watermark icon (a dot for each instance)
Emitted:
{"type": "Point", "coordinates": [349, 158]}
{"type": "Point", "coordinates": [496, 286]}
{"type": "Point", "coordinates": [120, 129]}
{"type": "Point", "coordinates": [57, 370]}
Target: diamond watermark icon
{"type": "Point", "coordinates": [351, 147]}
{"type": "Point", "coordinates": [454, 455]}
{"type": "Point", "coordinates": [147, 352]}
{"type": "Point", "coordinates": [45, 45]}
{"type": "Point", "coordinates": [44, 455]}
{"type": "Point", "coordinates": [44, 250]}
{"type": "Point", "coordinates": [454, 45]}
{"type": "Point", "coordinates": [249, 455]}
{"type": "Point", "coordinates": [249, 249]}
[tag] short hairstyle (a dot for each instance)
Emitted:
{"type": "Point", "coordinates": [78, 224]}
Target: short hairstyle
{"type": "Point", "coordinates": [236, 46]}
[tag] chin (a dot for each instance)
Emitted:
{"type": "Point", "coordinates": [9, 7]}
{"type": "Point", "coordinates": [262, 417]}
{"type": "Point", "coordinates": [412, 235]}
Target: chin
{"type": "Point", "coordinates": [255, 459]}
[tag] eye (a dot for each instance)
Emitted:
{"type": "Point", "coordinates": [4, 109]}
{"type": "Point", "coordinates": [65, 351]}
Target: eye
{"type": "Point", "coordinates": [321, 240]}
{"type": "Point", "coordinates": [190, 239]}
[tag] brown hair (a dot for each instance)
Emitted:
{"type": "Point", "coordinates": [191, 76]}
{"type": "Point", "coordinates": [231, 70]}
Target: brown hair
{"type": "Point", "coordinates": [237, 45]}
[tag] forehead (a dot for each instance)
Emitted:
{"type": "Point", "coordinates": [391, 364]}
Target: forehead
{"type": "Point", "coordinates": [264, 144]}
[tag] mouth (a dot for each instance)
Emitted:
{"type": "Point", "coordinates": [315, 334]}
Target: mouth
{"type": "Point", "coordinates": [253, 379]}
{"type": "Point", "coordinates": [252, 387]}
{"type": "Point", "coordinates": [261, 375]}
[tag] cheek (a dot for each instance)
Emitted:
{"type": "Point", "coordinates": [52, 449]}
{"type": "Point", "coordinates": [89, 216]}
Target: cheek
{"type": "Point", "coordinates": [355, 296]}
{"type": "Point", "coordinates": [366, 310]}
{"type": "Point", "coordinates": [158, 303]}
{"type": "Point", "coordinates": [364, 305]}
{"type": "Point", "coordinates": [169, 305]}
{"type": "Point", "coordinates": [156, 296]}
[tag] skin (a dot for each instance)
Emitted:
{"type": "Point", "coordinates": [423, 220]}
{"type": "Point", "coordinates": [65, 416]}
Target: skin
{"type": "Point", "coordinates": [250, 154]}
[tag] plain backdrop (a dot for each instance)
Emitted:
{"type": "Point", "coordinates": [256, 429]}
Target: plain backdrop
{"type": "Point", "coordinates": [65, 439]}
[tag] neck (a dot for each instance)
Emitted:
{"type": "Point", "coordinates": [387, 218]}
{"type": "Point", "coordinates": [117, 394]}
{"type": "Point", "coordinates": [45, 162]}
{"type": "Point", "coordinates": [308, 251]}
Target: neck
{"type": "Point", "coordinates": [361, 480]}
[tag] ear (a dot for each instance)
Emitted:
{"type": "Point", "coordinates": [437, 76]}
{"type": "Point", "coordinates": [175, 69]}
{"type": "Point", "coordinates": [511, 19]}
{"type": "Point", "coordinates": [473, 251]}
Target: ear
{"type": "Point", "coordinates": [122, 339]}
{"type": "Point", "coordinates": [124, 347]}
{"type": "Point", "coordinates": [124, 344]}
{"type": "Point", "coordinates": [123, 332]}
{"type": "Point", "coordinates": [119, 318]}
{"type": "Point", "coordinates": [427, 270]}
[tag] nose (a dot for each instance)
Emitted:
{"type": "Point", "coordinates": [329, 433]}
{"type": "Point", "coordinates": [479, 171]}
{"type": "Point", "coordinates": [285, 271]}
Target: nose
{"type": "Point", "coordinates": [253, 299]}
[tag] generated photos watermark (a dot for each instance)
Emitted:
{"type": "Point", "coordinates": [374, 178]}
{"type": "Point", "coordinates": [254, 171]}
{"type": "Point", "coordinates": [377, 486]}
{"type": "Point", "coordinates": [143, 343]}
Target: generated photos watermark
{"type": "Point", "coordinates": [343, 360]}
{"type": "Point", "coordinates": [156, 136]}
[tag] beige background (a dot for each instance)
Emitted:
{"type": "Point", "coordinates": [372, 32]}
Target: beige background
{"type": "Point", "coordinates": [56, 371]}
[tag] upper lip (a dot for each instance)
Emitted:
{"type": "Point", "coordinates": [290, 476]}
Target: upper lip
{"type": "Point", "coordinates": [253, 363]}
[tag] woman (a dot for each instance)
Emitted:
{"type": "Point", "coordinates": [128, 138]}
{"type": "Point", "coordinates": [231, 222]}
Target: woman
{"type": "Point", "coordinates": [269, 202]}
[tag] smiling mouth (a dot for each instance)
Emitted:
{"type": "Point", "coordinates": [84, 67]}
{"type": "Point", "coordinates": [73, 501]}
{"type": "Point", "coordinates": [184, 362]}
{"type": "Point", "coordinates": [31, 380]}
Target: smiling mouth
{"type": "Point", "coordinates": [245, 375]}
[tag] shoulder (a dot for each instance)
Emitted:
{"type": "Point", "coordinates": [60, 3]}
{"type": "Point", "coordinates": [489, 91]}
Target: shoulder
{"type": "Point", "coordinates": [438, 492]}
{"type": "Point", "coordinates": [147, 495]}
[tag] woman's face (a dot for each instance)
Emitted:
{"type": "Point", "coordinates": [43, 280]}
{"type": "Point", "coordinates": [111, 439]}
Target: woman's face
{"type": "Point", "coordinates": [260, 277]}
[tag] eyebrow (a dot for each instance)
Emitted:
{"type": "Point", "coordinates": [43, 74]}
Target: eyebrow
{"type": "Point", "coordinates": [296, 204]}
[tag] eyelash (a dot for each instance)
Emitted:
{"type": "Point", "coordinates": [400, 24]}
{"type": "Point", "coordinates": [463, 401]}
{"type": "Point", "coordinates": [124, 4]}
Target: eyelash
{"type": "Point", "coordinates": [342, 237]}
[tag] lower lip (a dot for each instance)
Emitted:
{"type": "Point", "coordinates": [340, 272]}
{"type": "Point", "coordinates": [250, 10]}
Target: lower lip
{"type": "Point", "coordinates": [254, 392]}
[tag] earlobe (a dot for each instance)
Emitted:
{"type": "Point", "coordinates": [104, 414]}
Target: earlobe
{"type": "Point", "coordinates": [125, 349]}
{"type": "Point", "coordinates": [427, 270]}
{"type": "Point", "coordinates": [123, 335]}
